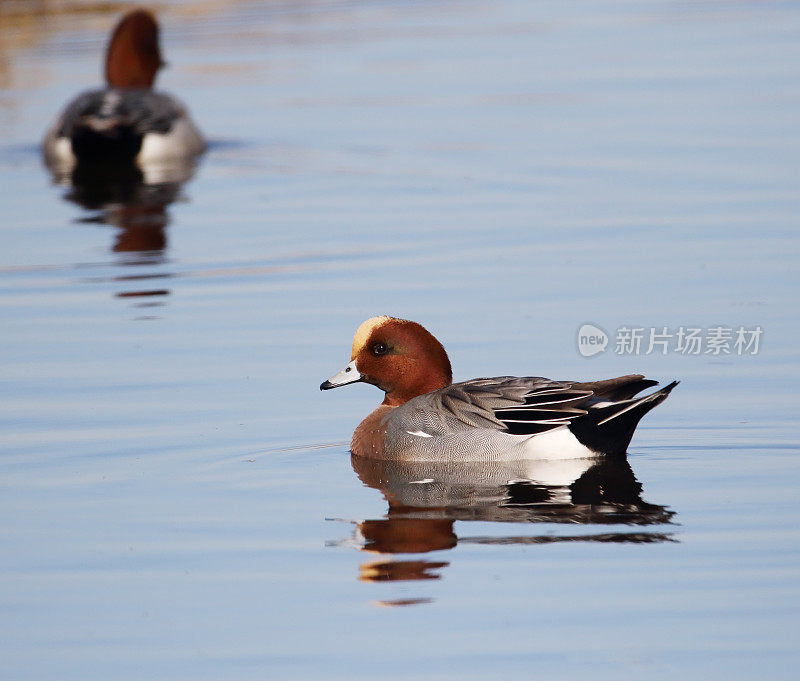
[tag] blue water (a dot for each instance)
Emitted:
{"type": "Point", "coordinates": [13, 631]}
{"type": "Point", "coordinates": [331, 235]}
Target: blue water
{"type": "Point", "coordinates": [177, 496]}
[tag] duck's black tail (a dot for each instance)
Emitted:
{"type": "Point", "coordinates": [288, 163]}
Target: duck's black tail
{"type": "Point", "coordinates": [95, 141]}
{"type": "Point", "coordinates": [609, 424]}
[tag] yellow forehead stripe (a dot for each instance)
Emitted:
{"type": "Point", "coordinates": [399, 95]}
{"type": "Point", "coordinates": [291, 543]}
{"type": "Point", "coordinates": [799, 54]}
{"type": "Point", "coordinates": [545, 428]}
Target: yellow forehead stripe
{"type": "Point", "coordinates": [365, 331]}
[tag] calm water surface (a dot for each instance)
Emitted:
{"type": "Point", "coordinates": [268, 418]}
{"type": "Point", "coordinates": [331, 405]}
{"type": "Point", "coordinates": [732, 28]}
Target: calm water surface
{"type": "Point", "coordinates": [178, 500]}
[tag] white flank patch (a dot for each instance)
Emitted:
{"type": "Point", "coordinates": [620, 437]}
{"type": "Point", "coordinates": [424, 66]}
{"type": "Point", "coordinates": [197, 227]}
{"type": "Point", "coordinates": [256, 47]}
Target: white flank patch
{"type": "Point", "coordinates": [558, 443]}
{"type": "Point", "coordinates": [183, 140]}
{"type": "Point", "coordinates": [418, 433]}
{"type": "Point", "coordinates": [62, 151]}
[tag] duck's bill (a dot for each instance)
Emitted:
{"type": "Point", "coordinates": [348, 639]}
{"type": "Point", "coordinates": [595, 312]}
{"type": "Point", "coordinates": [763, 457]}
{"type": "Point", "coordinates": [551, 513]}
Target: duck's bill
{"type": "Point", "coordinates": [347, 375]}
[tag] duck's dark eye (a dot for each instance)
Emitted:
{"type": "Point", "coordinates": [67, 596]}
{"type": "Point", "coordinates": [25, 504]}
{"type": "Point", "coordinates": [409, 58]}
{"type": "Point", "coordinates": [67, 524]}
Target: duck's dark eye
{"type": "Point", "coordinates": [380, 349]}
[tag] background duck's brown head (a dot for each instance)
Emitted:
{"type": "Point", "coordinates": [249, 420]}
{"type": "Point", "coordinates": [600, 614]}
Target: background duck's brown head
{"type": "Point", "coordinates": [134, 57]}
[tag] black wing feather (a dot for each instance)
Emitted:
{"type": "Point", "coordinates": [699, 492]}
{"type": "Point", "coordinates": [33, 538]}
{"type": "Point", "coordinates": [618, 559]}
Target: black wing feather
{"type": "Point", "coordinates": [545, 409]}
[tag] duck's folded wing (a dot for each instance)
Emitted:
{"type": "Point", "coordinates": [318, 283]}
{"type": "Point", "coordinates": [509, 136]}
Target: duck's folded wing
{"type": "Point", "coordinates": [142, 110]}
{"type": "Point", "coordinates": [518, 406]}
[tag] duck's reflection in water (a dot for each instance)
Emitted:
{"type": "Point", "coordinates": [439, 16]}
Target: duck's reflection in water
{"type": "Point", "coordinates": [425, 500]}
{"type": "Point", "coordinates": [134, 200]}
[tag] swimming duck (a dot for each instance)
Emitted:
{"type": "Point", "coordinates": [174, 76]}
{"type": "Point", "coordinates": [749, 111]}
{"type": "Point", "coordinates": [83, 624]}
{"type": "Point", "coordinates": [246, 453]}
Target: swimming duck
{"type": "Point", "coordinates": [424, 416]}
{"type": "Point", "coordinates": [126, 121]}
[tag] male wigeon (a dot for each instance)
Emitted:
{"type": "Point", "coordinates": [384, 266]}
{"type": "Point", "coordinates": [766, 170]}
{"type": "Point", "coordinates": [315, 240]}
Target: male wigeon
{"type": "Point", "coordinates": [126, 121]}
{"type": "Point", "coordinates": [426, 417]}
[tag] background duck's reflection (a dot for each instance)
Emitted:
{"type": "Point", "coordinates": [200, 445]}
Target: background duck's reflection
{"type": "Point", "coordinates": [134, 200]}
{"type": "Point", "coordinates": [425, 500]}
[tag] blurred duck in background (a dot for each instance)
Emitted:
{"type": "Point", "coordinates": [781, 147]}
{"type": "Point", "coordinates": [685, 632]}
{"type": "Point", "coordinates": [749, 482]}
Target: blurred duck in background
{"type": "Point", "coordinates": [126, 122]}
{"type": "Point", "coordinates": [125, 151]}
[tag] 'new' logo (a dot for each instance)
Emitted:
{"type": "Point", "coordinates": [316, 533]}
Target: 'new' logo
{"type": "Point", "coordinates": [591, 340]}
